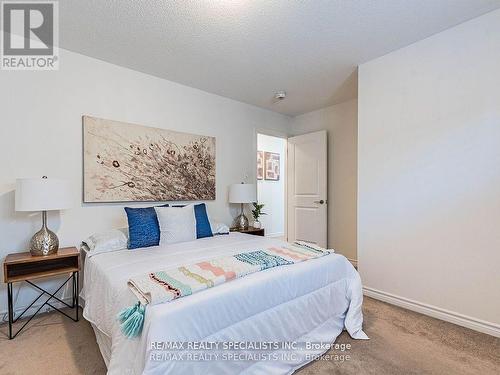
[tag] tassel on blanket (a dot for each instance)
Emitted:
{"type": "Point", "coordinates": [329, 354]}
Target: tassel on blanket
{"type": "Point", "coordinates": [125, 313]}
{"type": "Point", "coordinates": [132, 320]}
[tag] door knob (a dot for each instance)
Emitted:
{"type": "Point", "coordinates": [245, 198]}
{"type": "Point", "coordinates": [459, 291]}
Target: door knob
{"type": "Point", "coordinates": [320, 201]}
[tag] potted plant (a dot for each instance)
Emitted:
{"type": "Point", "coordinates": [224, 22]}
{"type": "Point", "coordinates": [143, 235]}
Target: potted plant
{"type": "Point", "coordinates": [256, 213]}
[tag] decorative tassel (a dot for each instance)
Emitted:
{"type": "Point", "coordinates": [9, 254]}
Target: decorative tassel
{"type": "Point", "coordinates": [132, 326]}
{"type": "Point", "coordinates": [125, 313]}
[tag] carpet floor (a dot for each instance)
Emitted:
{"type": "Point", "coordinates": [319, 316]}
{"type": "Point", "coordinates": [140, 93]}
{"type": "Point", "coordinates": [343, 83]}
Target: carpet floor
{"type": "Point", "coordinates": [401, 342]}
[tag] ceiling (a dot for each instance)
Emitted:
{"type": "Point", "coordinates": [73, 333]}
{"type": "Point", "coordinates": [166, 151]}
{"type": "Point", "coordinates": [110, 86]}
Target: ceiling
{"type": "Point", "coordinates": [249, 49]}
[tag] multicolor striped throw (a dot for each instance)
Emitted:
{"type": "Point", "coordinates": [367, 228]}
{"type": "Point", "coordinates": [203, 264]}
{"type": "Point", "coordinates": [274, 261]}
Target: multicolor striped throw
{"type": "Point", "coordinates": [164, 286]}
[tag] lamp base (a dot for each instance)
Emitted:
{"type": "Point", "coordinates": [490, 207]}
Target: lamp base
{"type": "Point", "coordinates": [44, 242]}
{"type": "Point", "coordinates": [241, 222]}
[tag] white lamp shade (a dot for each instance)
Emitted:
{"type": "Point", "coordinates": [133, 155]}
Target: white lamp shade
{"type": "Point", "coordinates": [42, 194]}
{"type": "Point", "coordinates": [242, 193]}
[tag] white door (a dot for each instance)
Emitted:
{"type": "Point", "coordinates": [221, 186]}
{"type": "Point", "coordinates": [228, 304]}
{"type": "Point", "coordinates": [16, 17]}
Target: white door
{"type": "Point", "coordinates": [307, 188]}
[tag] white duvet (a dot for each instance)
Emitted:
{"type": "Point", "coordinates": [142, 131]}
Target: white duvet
{"type": "Point", "coordinates": [312, 301]}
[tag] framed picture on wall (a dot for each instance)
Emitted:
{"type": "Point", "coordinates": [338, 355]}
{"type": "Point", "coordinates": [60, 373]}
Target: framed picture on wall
{"type": "Point", "coordinates": [133, 163]}
{"type": "Point", "coordinates": [260, 165]}
{"type": "Point", "coordinates": [272, 166]}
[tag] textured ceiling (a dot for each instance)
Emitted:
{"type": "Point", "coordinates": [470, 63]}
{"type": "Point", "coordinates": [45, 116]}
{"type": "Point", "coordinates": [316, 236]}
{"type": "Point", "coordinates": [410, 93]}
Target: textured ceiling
{"type": "Point", "coordinates": [248, 49]}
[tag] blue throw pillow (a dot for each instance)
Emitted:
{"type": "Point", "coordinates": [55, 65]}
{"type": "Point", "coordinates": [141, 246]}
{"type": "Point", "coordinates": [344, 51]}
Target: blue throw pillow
{"type": "Point", "coordinates": [203, 228]}
{"type": "Point", "coordinates": [143, 227]}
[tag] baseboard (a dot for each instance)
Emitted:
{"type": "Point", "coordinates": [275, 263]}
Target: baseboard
{"type": "Point", "coordinates": [4, 314]}
{"type": "Point", "coordinates": [271, 235]}
{"type": "Point", "coordinates": [435, 312]}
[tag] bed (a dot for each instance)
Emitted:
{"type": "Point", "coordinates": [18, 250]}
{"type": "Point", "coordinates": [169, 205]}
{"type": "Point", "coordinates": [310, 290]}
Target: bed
{"type": "Point", "coordinates": [308, 302]}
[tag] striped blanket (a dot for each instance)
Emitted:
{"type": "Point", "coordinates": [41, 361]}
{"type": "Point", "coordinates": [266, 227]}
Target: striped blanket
{"type": "Point", "coordinates": [164, 286]}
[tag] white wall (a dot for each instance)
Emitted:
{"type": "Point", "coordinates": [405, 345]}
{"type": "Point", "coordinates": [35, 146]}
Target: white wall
{"type": "Point", "coordinates": [341, 123]}
{"type": "Point", "coordinates": [272, 193]}
{"type": "Point", "coordinates": [41, 134]}
{"type": "Point", "coordinates": [429, 174]}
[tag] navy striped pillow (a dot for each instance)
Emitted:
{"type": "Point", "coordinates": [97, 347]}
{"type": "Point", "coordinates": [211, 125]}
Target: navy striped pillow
{"type": "Point", "coordinates": [203, 228]}
{"type": "Point", "coordinates": [143, 227]}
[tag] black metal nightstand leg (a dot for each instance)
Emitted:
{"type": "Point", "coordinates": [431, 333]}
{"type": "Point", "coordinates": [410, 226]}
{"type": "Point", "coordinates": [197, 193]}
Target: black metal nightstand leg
{"type": "Point", "coordinates": [75, 292]}
{"type": "Point", "coordinates": [11, 313]}
{"type": "Point", "coordinates": [74, 304]}
{"type": "Point", "coordinates": [73, 300]}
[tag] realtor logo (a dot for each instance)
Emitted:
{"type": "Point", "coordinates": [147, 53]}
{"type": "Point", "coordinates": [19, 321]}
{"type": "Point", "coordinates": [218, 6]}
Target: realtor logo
{"type": "Point", "coordinates": [29, 35]}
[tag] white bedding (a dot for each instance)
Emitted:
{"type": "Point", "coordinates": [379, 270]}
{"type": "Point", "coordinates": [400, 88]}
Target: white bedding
{"type": "Point", "coordinates": [312, 301]}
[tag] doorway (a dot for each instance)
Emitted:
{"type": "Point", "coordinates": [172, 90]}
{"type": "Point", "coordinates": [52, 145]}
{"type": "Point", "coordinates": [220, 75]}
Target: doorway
{"type": "Point", "coordinates": [271, 183]}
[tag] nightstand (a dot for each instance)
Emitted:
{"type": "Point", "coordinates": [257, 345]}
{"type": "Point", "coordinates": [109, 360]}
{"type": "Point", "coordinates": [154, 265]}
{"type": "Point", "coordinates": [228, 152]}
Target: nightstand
{"type": "Point", "coordinates": [250, 230]}
{"type": "Point", "coordinates": [25, 267]}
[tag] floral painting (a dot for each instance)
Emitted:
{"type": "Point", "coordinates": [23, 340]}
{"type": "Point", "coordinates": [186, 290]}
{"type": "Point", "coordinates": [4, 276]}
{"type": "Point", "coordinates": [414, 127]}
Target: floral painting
{"type": "Point", "coordinates": [132, 163]}
{"type": "Point", "coordinates": [272, 166]}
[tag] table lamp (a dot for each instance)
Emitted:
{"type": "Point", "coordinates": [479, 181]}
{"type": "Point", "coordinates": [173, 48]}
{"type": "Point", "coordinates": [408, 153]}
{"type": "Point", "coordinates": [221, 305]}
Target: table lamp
{"type": "Point", "coordinates": [242, 193]}
{"type": "Point", "coordinates": [42, 194]}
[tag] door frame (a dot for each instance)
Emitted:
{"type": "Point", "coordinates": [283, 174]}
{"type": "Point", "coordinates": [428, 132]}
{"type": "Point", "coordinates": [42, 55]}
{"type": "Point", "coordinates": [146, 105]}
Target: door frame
{"type": "Point", "coordinates": [284, 136]}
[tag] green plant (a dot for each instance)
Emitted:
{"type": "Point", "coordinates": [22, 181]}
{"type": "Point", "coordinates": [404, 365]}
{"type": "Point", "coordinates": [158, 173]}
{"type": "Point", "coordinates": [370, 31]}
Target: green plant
{"type": "Point", "coordinates": [257, 211]}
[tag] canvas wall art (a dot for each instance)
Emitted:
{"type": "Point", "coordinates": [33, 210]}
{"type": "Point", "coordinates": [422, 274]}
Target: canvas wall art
{"type": "Point", "coordinates": [272, 166]}
{"type": "Point", "coordinates": [133, 163]}
{"type": "Point", "coordinates": [260, 165]}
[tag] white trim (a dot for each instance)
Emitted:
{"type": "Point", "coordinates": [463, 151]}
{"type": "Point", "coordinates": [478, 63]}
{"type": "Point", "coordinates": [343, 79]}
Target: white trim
{"type": "Point", "coordinates": [435, 312]}
{"type": "Point", "coordinates": [17, 310]}
{"type": "Point", "coordinates": [273, 235]}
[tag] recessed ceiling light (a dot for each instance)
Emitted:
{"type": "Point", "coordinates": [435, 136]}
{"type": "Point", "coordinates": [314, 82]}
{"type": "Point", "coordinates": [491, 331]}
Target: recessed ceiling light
{"type": "Point", "coordinates": [280, 95]}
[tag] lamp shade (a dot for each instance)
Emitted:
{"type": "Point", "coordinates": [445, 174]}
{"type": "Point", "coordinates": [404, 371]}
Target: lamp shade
{"type": "Point", "coordinates": [42, 194]}
{"type": "Point", "coordinates": [242, 193]}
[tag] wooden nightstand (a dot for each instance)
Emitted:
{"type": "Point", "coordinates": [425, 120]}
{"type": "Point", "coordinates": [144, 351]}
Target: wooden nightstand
{"type": "Point", "coordinates": [250, 230]}
{"type": "Point", "coordinates": [25, 267]}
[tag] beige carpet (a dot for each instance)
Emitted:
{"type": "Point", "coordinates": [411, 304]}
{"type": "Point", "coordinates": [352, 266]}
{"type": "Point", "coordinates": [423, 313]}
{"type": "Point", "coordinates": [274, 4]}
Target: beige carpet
{"type": "Point", "coordinates": [402, 342]}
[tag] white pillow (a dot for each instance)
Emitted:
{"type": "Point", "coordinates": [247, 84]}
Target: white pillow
{"type": "Point", "coordinates": [177, 224]}
{"type": "Point", "coordinates": [219, 228]}
{"type": "Point", "coordinates": [110, 240]}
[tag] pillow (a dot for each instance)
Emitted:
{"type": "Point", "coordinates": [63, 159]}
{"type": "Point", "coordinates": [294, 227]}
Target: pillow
{"type": "Point", "coordinates": [203, 228]}
{"type": "Point", "coordinates": [177, 224]}
{"type": "Point", "coordinates": [219, 228]}
{"type": "Point", "coordinates": [143, 227]}
{"type": "Point", "coordinates": [110, 240]}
